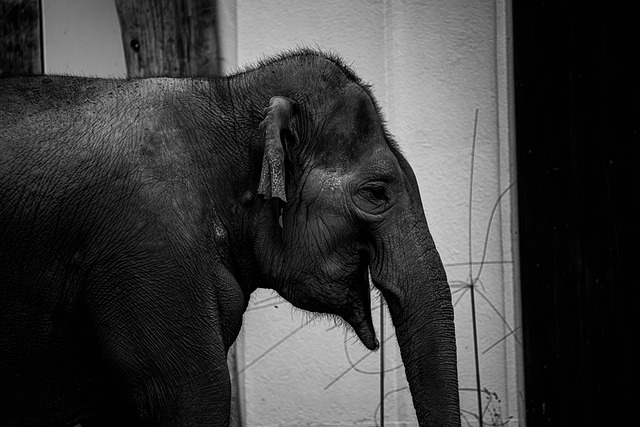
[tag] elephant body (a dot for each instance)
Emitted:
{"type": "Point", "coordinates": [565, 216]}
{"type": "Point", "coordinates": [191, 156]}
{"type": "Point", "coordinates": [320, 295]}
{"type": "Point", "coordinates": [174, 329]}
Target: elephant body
{"type": "Point", "coordinates": [137, 217]}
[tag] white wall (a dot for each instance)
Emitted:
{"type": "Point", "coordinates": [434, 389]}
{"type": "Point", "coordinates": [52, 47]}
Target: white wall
{"type": "Point", "coordinates": [433, 64]}
{"type": "Point", "coordinates": [82, 37]}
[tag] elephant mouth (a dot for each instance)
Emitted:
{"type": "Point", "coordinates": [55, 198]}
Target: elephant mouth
{"type": "Point", "coordinates": [367, 335]}
{"type": "Point", "coordinates": [360, 315]}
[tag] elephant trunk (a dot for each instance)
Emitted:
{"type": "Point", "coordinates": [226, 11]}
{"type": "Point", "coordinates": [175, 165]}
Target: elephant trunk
{"type": "Point", "coordinates": [412, 279]}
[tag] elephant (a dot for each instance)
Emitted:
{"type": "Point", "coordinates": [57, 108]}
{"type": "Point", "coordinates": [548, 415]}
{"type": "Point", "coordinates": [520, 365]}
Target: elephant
{"type": "Point", "coordinates": [138, 215]}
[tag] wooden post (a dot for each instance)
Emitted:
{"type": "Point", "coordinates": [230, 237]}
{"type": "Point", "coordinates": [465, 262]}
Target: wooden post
{"type": "Point", "coordinates": [20, 37]}
{"type": "Point", "coordinates": [169, 37]}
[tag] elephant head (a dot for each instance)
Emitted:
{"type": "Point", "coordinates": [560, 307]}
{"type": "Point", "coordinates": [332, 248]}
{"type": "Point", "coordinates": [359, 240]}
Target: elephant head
{"type": "Point", "coordinates": [340, 202]}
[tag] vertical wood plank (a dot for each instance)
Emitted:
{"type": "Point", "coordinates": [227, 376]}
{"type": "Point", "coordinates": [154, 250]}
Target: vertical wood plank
{"type": "Point", "coordinates": [169, 37]}
{"type": "Point", "coordinates": [20, 37]}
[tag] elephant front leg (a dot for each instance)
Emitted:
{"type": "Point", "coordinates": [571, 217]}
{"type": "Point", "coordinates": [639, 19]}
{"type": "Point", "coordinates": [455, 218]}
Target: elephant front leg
{"type": "Point", "coordinates": [164, 351]}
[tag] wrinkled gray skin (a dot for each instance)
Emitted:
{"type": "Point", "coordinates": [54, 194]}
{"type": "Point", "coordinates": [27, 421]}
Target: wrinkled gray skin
{"type": "Point", "coordinates": [132, 234]}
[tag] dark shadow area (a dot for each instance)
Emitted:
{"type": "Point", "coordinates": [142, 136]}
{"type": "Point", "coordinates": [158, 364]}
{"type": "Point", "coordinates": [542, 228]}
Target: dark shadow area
{"type": "Point", "coordinates": [578, 138]}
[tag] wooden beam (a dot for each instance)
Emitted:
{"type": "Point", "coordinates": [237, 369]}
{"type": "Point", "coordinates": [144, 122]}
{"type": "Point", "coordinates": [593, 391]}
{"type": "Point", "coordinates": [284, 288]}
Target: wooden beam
{"type": "Point", "coordinates": [20, 37]}
{"type": "Point", "coordinates": [169, 37]}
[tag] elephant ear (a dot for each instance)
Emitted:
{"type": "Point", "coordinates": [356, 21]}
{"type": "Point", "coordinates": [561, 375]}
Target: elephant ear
{"type": "Point", "coordinates": [277, 120]}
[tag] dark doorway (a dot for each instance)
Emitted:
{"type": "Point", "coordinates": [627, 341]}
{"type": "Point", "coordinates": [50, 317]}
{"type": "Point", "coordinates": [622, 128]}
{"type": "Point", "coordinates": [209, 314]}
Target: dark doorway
{"type": "Point", "coordinates": [577, 100]}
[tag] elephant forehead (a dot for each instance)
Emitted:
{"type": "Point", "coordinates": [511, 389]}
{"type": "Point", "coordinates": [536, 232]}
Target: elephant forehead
{"type": "Point", "coordinates": [347, 127]}
{"type": "Point", "coordinates": [378, 162]}
{"type": "Point", "coordinates": [352, 113]}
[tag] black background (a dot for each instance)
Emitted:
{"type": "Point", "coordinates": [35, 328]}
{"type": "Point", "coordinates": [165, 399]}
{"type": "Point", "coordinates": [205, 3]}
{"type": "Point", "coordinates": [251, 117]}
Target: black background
{"type": "Point", "coordinates": [577, 97]}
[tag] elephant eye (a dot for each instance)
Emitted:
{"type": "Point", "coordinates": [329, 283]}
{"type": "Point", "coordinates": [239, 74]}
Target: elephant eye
{"type": "Point", "coordinates": [374, 194]}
